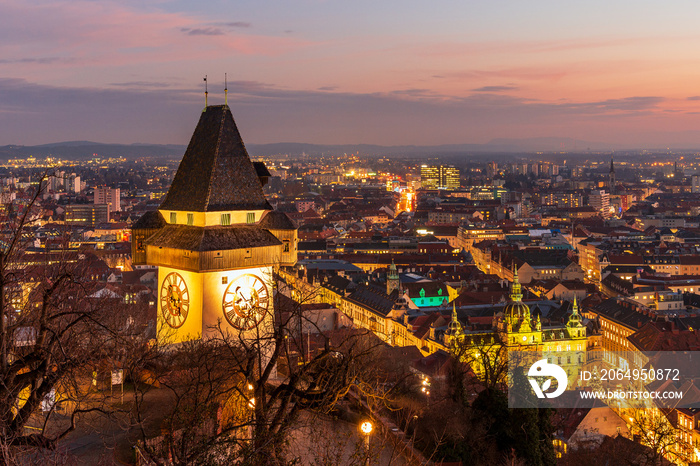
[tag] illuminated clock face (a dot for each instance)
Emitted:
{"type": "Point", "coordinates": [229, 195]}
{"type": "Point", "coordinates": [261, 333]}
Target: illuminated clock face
{"type": "Point", "coordinates": [246, 302]}
{"type": "Point", "coordinates": [174, 299]}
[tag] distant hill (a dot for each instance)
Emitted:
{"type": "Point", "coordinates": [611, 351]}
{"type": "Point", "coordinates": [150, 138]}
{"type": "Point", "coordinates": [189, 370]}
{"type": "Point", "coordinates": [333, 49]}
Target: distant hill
{"type": "Point", "coordinates": [366, 149]}
{"type": "Point", "coordinates": [494, 146]}
{"type": "Point", "coordinates": [84, 150]}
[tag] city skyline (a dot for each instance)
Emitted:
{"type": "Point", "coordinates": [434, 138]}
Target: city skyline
{"type": "Point", "coordinates": [320, 72]}
{"type": "Point", "coordinates": [399, 295]}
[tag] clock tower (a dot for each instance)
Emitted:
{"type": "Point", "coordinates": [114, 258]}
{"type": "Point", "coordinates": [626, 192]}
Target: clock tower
{"type": "Point", "coordinates": [216, 239]}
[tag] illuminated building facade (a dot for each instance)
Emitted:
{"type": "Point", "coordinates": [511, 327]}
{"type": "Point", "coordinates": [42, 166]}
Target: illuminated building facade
{"type": "Point", "coordinates": [600, 201]}
{"type": "Point", "coordinates": [439, 177]}
{"type": "Point", "coordinates": [109, 196]}
{"type": "Point", "coordinates": [518, 330]}
{"type": "Point", "coordinates": [87, 214]}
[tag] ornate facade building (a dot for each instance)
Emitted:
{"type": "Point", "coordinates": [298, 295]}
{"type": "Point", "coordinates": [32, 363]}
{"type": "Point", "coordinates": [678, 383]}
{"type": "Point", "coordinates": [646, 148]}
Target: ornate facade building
{"type": "Point", "coordinates": [516, 329]}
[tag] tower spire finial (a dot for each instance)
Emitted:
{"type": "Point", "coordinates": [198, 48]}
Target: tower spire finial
{"type": "Point", "coordinates": [575, 317]}
{"type": "Point", "coordinates": [516, 289]}
{"type": "Point", "coordinates": [454, 328]}
{"type": "Point", "coordinates": [226, 89]}
{"type": "Point", "coordinates": [206, 92]}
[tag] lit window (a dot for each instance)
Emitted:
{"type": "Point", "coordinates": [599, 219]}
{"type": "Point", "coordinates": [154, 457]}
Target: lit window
{"type": "Point", "coordinates": [190, 219]}
{"type": "Point", "coordinates": [173, 217]}
{"type": "Point", "coordinates": [250, 218]}
{"type": "Point", "coordinates": [226, 219]}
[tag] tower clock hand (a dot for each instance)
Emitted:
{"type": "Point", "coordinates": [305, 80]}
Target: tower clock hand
{"type": "Point", "coordinates": [175, 300]}
{"type": "Point", "coordinates": [246, 302]}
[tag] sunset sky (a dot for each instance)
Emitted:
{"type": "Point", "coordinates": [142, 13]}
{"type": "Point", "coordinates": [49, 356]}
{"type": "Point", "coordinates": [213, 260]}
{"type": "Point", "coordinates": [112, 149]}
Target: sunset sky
{"type": "Point", "coordinates": [337, 72]}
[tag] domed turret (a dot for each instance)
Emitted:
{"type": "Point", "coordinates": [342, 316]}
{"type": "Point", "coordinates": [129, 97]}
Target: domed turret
{"type": "Point", "coordinates": [516, 309]}
{"type": "Point", "coordinates": [454, 328]}
{"type": "Point", "coordinates": [575, 317]}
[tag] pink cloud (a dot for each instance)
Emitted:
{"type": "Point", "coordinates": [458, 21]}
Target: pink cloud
{"type": "Point", "coordinates": [110, 33]}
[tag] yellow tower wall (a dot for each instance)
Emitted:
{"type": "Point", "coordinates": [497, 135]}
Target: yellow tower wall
{"type": "Point", "coordinates": [192, 327]}
{"type": "Point", "coordinates": [205, 314]}
{"type": "Point", "coordinates": [213, 297]}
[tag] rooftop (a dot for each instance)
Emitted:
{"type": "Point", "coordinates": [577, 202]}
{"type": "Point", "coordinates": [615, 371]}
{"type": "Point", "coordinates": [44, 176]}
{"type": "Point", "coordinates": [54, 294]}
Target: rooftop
{"type": "Point", "coordinates": [216, 173]}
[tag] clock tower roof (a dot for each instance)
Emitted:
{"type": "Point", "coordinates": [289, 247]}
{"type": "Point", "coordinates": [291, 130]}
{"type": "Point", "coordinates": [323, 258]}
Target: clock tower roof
{"type": "Point", "coordinates": [152, 219]}
{"type": "Point", "coordinates": [214, 238]}
{"type": "Point", "coordinates": [216, 173]}
{"type": "Point", "coordinates": [275, 220]}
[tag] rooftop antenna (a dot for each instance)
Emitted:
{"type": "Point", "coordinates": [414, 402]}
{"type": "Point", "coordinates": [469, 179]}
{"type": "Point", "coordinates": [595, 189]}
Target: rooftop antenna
{"type": "Point", "coordinates": [226, 89]}
{"type": "Point", "coordinates": [206, 92]}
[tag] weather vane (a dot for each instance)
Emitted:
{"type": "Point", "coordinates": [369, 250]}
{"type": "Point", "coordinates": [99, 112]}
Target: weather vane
{"type": "Point", "coordinates": [206, 91]}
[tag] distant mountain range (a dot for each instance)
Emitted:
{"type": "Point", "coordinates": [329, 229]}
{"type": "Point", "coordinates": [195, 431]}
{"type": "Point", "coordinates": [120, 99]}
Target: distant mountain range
{"type": "Point", "coordinates": [84, 150]}
{"type": "Point", "coordinates": [496, 145]}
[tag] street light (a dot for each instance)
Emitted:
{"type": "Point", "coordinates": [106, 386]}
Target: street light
{"type": "Point", "coordinates": [426, 388]}
{"type": "Point", "coordinates": [366, 428]}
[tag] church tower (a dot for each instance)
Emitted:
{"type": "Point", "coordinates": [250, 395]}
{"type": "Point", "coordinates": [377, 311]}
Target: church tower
{"type": "Point", "coordinates": [611, 176]}
{"type": "Point", "coordinates": [574, 325]}
{"type": "Point", "coordinates": [217, 239]}
{"type": "Point", "coordinates": [454, 328]}
{"type": "Point", "coordinates": [393, 282]}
